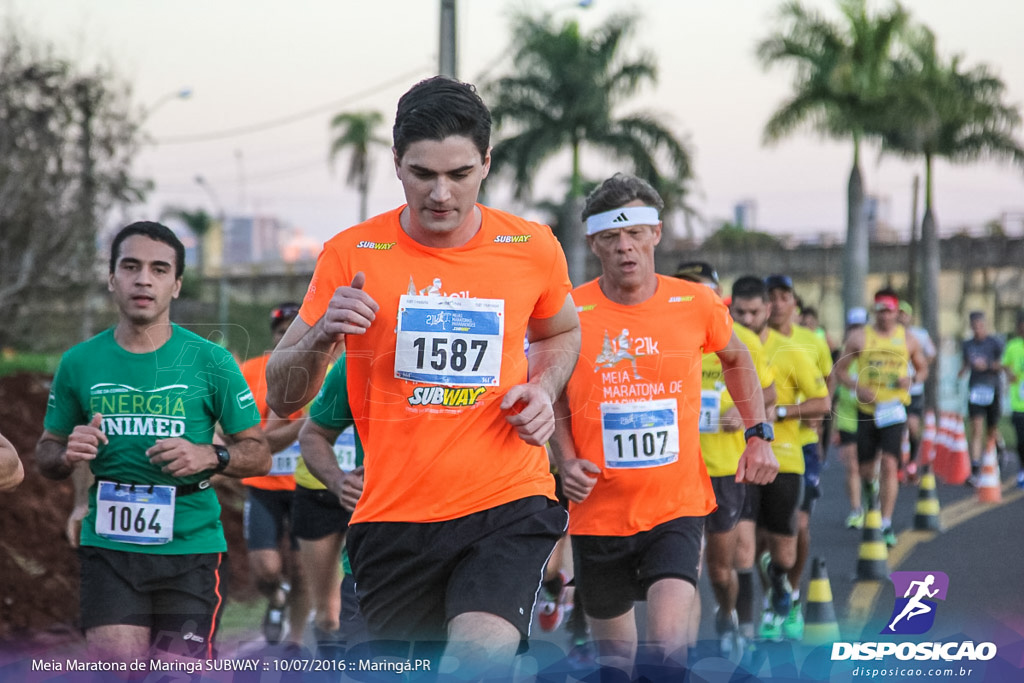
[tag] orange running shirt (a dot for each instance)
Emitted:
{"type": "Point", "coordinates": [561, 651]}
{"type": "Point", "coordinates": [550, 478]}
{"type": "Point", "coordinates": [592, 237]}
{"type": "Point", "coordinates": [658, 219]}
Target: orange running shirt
{"type": "Point", "coordinates": [635, 401]}
{"type": "Point", "coordinates": [254, 371]}
{"type": "Point", "coordinates": [451, 325]}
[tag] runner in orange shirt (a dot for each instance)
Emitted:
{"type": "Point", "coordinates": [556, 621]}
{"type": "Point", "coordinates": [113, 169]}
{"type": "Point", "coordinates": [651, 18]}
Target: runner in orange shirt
{"type": "Point", "coordinates": [268, 509]}
{"type": "Point", "coordinates": [627, 441]}
{"type": "Point", "coordinates": [433, 301]}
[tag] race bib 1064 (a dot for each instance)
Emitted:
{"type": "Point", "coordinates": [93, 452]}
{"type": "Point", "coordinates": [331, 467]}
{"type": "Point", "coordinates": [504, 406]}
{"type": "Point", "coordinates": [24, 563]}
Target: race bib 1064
{"type": "Point", "coordinates": [451, 341]}
{"type": "Point", "coordinates": [135, 514]}
{"type": "Point", "coordinates": [641, 434]}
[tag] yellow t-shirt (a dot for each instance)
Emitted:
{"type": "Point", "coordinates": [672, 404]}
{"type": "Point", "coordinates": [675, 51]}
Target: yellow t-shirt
{"type": "Point", "coordinates": [883, 363]}
{"type": "Point", "coordinates": [797, 377]}
{"type": "Point", "coordinates": [722, 450]}
{"type": "Point", "coordinates": [824, 361]}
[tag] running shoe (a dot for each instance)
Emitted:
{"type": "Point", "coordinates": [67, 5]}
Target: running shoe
{"type": "Point", "coordinates": [731, 644]}
{"type": "Point", "coordinates": [771, 626]}
{"type": "Point", "coordinates": [1020, 479]}
{"type": "Point", "coordinates": [889, 536]}
{"type": "Point", "coordinates": [273, 624]}
{"type": "Point", "coordinates": [551, 609]}
{"type": "Point", "coordinates": [855, 520]}
{"type": "Point", "coordinates": [793, 626]}
{"type": "Point", "coordinates": [869, 493]}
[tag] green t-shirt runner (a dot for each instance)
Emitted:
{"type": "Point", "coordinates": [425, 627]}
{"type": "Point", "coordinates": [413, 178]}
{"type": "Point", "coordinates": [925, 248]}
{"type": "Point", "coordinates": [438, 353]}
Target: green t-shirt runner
{"type": "Point", "coordinates": [183, 389]}
{"type": "Point", "coordinates": [331, 411]}
{"type": "Point", "coordinates": [1013, 360]}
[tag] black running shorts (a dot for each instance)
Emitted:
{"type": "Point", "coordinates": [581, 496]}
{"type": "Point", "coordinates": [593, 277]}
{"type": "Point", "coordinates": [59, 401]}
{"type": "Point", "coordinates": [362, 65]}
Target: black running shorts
{"type": "Point", "coordinates": [317, 513]}
{"type": "Point", "coordinates": [774, 505]}
{"type": "Point", "coordinates": [413, 578]}
{"type": "Point", "coordinates": [730, 496]}
{"type": "Point", "coordinates": [613, 572]}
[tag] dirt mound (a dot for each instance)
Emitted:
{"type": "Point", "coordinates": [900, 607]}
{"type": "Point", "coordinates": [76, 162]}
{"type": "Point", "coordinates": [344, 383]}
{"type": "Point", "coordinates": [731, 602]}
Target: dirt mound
{"type": "Point", "coordinates": [38, 569]}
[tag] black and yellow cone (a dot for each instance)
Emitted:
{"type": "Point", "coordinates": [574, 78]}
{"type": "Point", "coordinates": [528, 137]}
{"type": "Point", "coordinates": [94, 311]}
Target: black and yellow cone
{"type": "Point", "coordinates": [873, 559]}
{"type": "Point", "coordinates": [820, 624]}
{"type": "Point", "coordinates": [926, 517]}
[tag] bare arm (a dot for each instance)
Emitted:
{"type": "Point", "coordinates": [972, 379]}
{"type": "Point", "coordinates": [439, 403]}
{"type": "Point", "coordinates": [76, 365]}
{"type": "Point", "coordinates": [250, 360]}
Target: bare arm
{"type": "Point", "coordinates": [578, 475]}
{"type": "Point", "coordinates": [851, 350]}
{"type": "Point", "coordinates": [250, 455]}
{"type": "Point", "coordinates": [299, 363]}
{"type": "Point", "coordinates": [316, 443]}
{"type": "Point", "coordinates": [757, 465]}
{"type": "Point", "coordinates": [919, 360]}
{"type": "Point", "coordinates": [281, 432]}
{"type": "Point", "coordinates": [554, 350]}
{"type": "Point", "coordinates": [11, 470]}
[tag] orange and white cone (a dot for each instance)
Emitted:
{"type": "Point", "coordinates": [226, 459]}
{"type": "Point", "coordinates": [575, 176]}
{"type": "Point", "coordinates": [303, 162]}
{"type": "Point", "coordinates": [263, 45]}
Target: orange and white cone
{"type": "Point", "coordinates": [960, 466]}
{"type": "Point", "coordinates": [990, 488]}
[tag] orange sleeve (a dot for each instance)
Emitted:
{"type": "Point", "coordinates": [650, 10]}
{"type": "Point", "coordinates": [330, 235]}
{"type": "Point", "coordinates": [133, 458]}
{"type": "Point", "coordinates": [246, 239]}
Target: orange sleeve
{"type": "Point", "coordinates": [559, 285]}
{"type": "Point", "coordinates": [719, 328]}
{"type": "Point", "coordinates": [327, 277]}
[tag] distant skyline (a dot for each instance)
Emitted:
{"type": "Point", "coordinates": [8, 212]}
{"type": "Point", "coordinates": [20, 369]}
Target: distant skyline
{"type": "Point", "coordinates": [251, 63]}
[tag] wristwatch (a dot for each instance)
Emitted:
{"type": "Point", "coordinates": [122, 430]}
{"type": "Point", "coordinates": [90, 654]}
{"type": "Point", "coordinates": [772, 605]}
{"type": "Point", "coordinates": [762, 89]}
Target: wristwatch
{"type": "Point", "coordinates": [780, 413]}
{"type": "Point", "coordinates": [762, 430]}
{"type": "Point", "coordinates": [223, 458]}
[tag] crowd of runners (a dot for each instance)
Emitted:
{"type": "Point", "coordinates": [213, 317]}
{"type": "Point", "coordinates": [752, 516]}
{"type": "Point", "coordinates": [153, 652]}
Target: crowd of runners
{"type": "Point", "coordinates": [399, 440]}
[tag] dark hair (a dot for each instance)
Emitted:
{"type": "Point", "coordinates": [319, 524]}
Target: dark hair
{"type": "Point", "coordinates": [749, 287]}
{"type": "Point", "coordinates": [154, 231]}
{"type": "Point", "coordinates": [619, 190]}
{"type": "Point", "coordinates": [809, 310]}
{"type": "Point", "coordinates": [887, 291]}
{"type": "Point", "coordinates": [440, 107]}
{"type": "Point", "coordinates": [283, 313]}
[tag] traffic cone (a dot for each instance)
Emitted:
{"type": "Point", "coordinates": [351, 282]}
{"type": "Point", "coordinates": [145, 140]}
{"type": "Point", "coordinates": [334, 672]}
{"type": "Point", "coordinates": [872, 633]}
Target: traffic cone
{"type": "Point", "coordinates": [926, 452]}
{"type": "Point", "coordinates": [820, 624]}
{"type": "Point", "coordinates": [926, 516]}
{"type": "Point", "coordinates": [873, 558]}
{"type": "Point", "coordinates": [941, 459]}
{"type": "Point", "coordinates": [960, 459]}
{"type": "Point", "coordinates": [990, 488]}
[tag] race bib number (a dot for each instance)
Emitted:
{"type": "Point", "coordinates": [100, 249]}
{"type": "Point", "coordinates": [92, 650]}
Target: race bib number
{"type": "Point", "coordinates": [710, 411]}
{"type": "Point", "coordinates": [451, 341]}
{"type": "Point", "coordinates": [284, 462]}
{"type": "Point", "coordinates": [135, 514]}
{"type": "Point", "coordinates": [641, 434]}
{"type": "Point", "coordinates": [890, 413]}
{"type": "Point", "coordinates": [345, 449]}
{"type": "Point", "coordinates": [982, 395]}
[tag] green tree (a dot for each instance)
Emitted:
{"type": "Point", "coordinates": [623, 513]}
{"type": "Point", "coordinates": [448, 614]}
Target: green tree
{"type": "Point", "coordinates": [840, 89]}
{"type": "Point", "coordinates": [564, 92]}
{"type": "Point", "coordinates": [357, 133]}
{"type": "Point", "coordinates": [199, 223]}
{"type": "Point", "coordinates": [944, 110]}
{"type": "Point", "coordinates": [732, 237]}
{"type": "Point", "coordinates": [67, 141]}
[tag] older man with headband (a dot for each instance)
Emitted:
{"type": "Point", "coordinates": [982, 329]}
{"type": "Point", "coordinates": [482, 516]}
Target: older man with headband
{"type": "Point", "coordinates": [627, 441]}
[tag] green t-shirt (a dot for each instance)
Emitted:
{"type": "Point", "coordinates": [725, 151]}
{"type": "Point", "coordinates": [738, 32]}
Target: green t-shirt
{"type": "Point", "coordinates": [1013, 360]}
{"type": "Point", "coordinates": [331, 411]}
{"type": "Point", "coordinates": [183, 389]}
{"type": "Point", "coordinates": [845, 408]}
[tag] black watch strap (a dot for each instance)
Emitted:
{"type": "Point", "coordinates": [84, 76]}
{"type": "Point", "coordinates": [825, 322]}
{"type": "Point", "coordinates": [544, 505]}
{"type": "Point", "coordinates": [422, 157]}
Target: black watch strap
{"type": "Point", "coordinates": [223, 458]}
{"type": "Point", "coordinates": [762, 430]}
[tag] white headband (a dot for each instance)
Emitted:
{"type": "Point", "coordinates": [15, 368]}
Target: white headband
{"type": "Point", "coordinates": [622, 218]}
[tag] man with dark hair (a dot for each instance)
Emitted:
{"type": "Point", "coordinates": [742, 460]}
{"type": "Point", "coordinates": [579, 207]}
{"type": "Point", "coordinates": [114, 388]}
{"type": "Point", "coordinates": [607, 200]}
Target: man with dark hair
{"type": "Point", "coordinates": [982, 357]}
{"type": "Point", "coordinates": [139, 403]}
{"type": "Point", "coordinates": [627, 441]}
{"type": "Point", "coordinates": [1013, 365]}
{"type": "Point", "coordinates": [432, 301]}
{"type": "Point", "coordinates": [883, 352]}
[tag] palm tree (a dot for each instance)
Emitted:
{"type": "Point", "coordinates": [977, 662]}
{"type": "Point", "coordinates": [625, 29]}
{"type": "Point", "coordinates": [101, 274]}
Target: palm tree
{"type": "Point", "coordinates": [843, 75]}
{"type": "Point", "coordinates": [563, 93]}
{"type": "Point", "coordinates": [199, 223]}
{"type": "Point", "coordinates": [357, 132]}
{"type": "Point", "coordinates": [943, 110]}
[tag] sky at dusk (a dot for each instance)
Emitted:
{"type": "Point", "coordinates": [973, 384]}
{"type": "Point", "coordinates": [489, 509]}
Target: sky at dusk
{"type": "Point", "coordinates": [267, 76]}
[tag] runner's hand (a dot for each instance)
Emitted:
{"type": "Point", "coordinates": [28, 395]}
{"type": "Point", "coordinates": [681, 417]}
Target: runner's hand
{"type": "Point", "coordinates": [731, 420]}
{"type": "Point", "coordinates": [757, 465]}
{"type": "Point", "coordinates": [181, 457]}
{"type": "Point", "coordinates": [350, 310]}
{"type": "Point", "coordinates": [577, 479]}
{"type": "Point", "coordinates": [528, 409]}
{"type": "Point", "coordinates": [73, 528]}
{"type": "Point", "coordinates": [351, 489]}
{"type": "Point", "coordinates": [84, 441]}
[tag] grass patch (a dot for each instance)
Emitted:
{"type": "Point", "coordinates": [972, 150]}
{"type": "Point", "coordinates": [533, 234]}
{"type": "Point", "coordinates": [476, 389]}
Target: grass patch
{"type": "Point", "coordinates": [12, 362]}
{"type": "Point", "coordinates": [242, 617]}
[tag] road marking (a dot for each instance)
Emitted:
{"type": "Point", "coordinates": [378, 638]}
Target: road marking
{"type": "Point", "coordinates": [864, 594]}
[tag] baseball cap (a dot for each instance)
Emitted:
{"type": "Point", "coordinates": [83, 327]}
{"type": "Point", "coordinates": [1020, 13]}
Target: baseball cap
{"type": "Point", "coordinates": [856, 316]}
{"type": "Point", "coordinates": [283, 312]}
{"type": "Point", "coordinates": [906, 307]}
{"type": "Point", "coordinates": [697, 271]}
{"type": "Point", "coordinates": [778, 282]}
